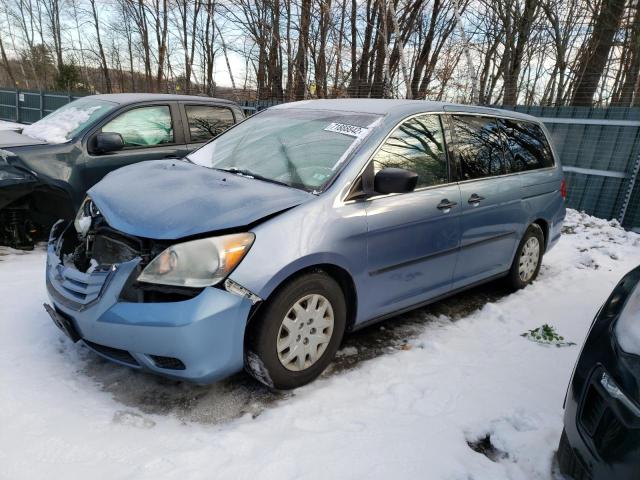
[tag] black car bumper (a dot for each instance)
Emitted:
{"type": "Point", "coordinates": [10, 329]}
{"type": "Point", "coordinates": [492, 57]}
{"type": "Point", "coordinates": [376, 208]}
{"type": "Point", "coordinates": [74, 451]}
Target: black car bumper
{"type": "Point", "coordinates": [601, 439]}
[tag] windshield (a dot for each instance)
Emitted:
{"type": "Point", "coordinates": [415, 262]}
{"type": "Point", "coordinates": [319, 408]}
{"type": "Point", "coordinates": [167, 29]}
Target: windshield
{"type": "Point", "coordinates": [62, 124]}
{"type": "Point", "coordinates": [300, 148]}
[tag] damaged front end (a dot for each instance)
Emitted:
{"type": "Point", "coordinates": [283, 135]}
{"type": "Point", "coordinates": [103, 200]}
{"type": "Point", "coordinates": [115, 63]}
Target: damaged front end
{"type": "Point", "coordinates": [189, 333]}
{"type": "Point", "coordinates": [16, 184]}
{"type": "Point", "coordinates": [29, 203]}
{"type": "Point", "coordinates": [90, 245]}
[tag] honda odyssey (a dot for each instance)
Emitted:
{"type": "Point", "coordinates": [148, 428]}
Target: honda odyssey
{"type": "Point", "coordinates": [308, 220]}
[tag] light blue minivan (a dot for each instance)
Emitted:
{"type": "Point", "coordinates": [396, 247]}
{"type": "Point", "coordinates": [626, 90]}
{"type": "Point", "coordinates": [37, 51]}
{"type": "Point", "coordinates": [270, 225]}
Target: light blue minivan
{"type": "Point", "coordinates": [307, 220]}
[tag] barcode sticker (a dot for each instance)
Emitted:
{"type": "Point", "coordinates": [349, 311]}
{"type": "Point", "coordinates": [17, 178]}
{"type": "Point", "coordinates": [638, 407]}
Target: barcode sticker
{"type": "Point", "coordinates": [343, 128]}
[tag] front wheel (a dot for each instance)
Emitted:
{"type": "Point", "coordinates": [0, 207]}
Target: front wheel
{"type": "Point", "coordinates": [298, 333]}
{"type": "Point", "coordinates": [528, 259]}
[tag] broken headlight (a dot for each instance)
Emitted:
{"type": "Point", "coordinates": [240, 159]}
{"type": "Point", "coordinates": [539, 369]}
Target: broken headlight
{"type": "Point", "coordinates": [627, 328]}
{"type": "Point", "coordinates": [13, 175]}
{"type": "Point", "coordinates": [9, 171]}
{"type": "Point", "coordinates": [87, 212]}
{"type": "Point", "coordinates": [198, 263]}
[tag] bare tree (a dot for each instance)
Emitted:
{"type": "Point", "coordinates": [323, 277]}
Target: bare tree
{"type": "Point", "coordinates": [101, 54]}
{"type": "Point", "coordinates": [300, 75]}
{"type": "Point", "coordinates": [595, 53]}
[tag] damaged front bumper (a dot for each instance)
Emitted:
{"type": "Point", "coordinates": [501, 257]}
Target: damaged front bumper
{"type": "Point", "coordinates": [200, 339]}
{"type": "Point", "coordinates": [15, 181]}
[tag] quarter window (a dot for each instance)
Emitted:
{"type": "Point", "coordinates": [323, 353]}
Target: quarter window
{"type": "Point", "coordinates": [206, 122]}
{"type": "Point", "coordinates": [527, 146]}
{"type": "Point", "coordinates": [143, 126]}
{"type": "Point", "coordinates": [416, 145]}
{"type": "Point", "coordinates": [477, 146]}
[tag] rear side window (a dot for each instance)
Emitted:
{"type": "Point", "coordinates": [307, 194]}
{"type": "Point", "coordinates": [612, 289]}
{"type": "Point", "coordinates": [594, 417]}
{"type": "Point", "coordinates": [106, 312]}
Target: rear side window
{"type": "Point", "coordinates": [416, 145]}
{"type": "Point", "coordinates": [527, 146]}
{"type": "Point", "coordinates": [478, 146]}
{"type": "Point", "coordinates": [206, 122]}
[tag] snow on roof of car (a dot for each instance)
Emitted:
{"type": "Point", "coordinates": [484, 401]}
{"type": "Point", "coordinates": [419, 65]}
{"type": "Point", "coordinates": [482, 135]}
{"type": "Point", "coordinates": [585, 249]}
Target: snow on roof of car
{"type": "Point", "coordinates": [380, 106]}
{"type": "Point", "coordinates": [4, 125]}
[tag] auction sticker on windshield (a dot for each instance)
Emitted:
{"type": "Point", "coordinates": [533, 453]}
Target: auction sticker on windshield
{"type": "Point", "coordinates": [345, 129]}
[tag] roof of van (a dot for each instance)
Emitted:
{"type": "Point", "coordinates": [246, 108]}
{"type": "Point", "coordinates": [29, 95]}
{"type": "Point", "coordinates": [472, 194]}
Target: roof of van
{"type": "Point", "coordinates": [397, 107]}
{"type": "Point", "coordinates": [124, 98]}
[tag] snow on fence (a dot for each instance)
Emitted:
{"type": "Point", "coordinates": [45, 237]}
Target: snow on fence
{"type": "Point", "coordinates": [599, 148]}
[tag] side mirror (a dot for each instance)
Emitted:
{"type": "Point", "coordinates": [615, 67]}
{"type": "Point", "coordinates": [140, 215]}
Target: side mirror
{"type": "Point", "coordinates": [107, 142]}
{"type": "Point", "coordinates": [395, 180]}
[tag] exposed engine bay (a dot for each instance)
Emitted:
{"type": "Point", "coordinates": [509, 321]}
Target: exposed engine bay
{"type": "Point", "coordinates": [90, 245]}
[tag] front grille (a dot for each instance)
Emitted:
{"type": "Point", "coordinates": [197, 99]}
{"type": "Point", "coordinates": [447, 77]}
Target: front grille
{"type": "Point", "coordinates": [113, 353]}
{"type": "Point", "coordinates": [592, 410]}
{"type": "Point", "coordinates": [569, 462]}
{"type": "Point", "coordinates": [610, 436]}
{"type": "Point", "coordinates": [77, 287]}
{"type": "Point", "coordinates": [169, 363]}
{"type": "Point", "coordinates": [601, 423]}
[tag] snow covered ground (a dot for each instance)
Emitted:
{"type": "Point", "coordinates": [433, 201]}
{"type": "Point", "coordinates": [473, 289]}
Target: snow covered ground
{"type": "Point", "coordinates": [444, 380]}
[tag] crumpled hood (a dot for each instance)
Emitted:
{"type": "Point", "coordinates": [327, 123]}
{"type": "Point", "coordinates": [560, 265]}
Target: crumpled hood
{"type": "Point", "coordinates": [9, 138]}
{"type": "Point", "coordinates": [171, 199]}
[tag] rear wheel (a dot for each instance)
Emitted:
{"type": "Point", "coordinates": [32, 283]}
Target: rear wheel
{"type": "Point", "coordinates": [298, 332]}
{"type": "Point", "coordinates": [528, 258]}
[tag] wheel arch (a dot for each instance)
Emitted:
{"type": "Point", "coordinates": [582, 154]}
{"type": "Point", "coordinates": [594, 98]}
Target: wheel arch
{"type": "Point", "coordinates": [338, 273]}
{"type": "Point", "coordinates": [544, 225]}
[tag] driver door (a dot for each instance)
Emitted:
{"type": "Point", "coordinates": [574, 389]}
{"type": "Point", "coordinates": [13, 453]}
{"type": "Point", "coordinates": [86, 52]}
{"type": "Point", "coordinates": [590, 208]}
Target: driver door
{"type": "Point", "coordinates": [413, 238]}
{"type": "Point", "coordinates": [150, 132]}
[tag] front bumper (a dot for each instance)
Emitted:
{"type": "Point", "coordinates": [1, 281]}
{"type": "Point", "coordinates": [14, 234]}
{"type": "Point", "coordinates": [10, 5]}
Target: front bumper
{"type": "Point", "coordinates": [602, 412]}
{"type": "Point", "coordinates": [199, 340]}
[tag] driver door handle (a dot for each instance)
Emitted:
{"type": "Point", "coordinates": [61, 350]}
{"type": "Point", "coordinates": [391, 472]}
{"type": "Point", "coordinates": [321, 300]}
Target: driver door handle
{"type": "Point", "coordinates": [475, 199]}
{"type": "Point", "coordinates": [446, 205]}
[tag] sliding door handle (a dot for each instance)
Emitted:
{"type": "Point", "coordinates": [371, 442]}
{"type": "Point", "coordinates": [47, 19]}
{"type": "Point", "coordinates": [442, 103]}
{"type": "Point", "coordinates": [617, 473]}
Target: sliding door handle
{"type": "Point", "coordinates": [445, 205]}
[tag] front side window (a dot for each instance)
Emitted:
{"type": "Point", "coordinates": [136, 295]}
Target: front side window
{"type": "Point", "coordinates": [416, 145]}
{"type": "Point", "coordinates": [206, 122]}
{"type": "Point", "coordinates": [297, 147]}
{"type": "Point", "coordinates": [64, 123]}
{"type": "Point", "coordinates": [527, 146]}
{"type": "Point", "coordinates": [143, 126]}
{"type": "Point", "coordinates": [478, 146]}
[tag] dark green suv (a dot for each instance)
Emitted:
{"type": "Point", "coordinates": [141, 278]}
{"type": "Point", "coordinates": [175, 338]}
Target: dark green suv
{"type": "Point", "coordinates": [46, 169]}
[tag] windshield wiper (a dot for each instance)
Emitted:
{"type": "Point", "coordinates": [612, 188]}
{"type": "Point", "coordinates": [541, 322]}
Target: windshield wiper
{"type": "Point", "coordinates": [248, 173]}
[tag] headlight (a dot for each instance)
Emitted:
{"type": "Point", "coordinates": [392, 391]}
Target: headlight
{"type": "Point", "coordinates": [627, 328]}
{"type": "Point", "coordinates": [4, 154]}
{"type": "Point", "coordinates": [86, 213]}
{"type": "Point", "coordinates": [198, 263]}
{"type": "Point", "coordinates": [12, 175]}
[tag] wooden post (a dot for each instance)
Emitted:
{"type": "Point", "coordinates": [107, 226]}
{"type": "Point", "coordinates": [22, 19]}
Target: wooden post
{"type": "Point", "coordinates": [17, 105]}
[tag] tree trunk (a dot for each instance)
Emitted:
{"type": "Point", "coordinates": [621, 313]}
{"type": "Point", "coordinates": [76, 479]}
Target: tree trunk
{"type": "Point", "coordinates": [5, 63]}
{"type": "Point", "coordinates": [103, 58]}
{"type": "Point", "coordinates": [596, 54]}
{"type": "Point", "coordinates": [300, 80]}
{"type": "Point", "coordinates": [633, 65]}
{"type": "Point", "coordinates": [275, 65]}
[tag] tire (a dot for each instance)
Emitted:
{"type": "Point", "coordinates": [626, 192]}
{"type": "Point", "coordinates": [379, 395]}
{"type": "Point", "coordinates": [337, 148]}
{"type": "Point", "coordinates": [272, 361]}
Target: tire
{"type": "Point", "coordinates": [294, 326]}
{"type": "Point", "coordinates": [526, 266]}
